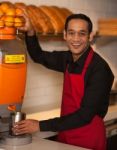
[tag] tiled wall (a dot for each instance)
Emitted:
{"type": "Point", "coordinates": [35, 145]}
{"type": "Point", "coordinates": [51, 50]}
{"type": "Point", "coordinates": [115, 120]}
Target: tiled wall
{"type": "Point", "coordinates": [44, 87]}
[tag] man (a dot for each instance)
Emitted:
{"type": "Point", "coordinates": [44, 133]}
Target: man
{"type": "Point", "coordinates": [87, 83]}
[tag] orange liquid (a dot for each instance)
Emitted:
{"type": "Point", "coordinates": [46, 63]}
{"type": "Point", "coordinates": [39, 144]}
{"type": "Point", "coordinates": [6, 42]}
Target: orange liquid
{"type": "Point", "coordinates": [12, 83]}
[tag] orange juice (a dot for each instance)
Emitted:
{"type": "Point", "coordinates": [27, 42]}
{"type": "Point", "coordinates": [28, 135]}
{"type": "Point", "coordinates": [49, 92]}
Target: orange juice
{"type": "Point", "coordinates": [13, 66]}
{"type": "Point", "coordinates": [12, 83]}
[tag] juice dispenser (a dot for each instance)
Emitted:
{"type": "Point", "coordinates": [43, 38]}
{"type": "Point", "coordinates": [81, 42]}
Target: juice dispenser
{"type": "Point", "coordinates": [13, 65]}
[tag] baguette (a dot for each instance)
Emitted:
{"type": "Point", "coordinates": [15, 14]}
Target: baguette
{"type": "Point", "coordinates": [44, 21]}
{"type": "Point", "coordinates": [54, 18]}
{"type": "Point", "coordinates": [20, 5]}
{"type": "Point", "coordinates": [34, 20]}
{"type": "Point", "coordinates": [66, 12]}
{"type": "Point", "coordinates": [63, 13]}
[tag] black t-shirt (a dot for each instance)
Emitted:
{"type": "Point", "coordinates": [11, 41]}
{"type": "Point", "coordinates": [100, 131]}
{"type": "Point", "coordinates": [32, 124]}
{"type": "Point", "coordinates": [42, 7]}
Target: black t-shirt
{"type": "Point", "coordinates": [98, 83]}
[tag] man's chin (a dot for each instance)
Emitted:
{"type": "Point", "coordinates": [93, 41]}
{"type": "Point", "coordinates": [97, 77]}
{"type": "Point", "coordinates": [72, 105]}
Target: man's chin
{"type": "Point", "coordinates": [77, 52]}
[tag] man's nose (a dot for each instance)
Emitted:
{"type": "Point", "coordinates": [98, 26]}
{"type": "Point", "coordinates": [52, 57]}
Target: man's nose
{"type": "Point", "coordinates": [77, 36]}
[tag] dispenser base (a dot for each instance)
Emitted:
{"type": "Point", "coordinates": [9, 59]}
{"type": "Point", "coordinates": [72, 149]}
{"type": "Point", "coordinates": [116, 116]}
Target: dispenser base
{"type": "Point", "coordinates": [16, 140]}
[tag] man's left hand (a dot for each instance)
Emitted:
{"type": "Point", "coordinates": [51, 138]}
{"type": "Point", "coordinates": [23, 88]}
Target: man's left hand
{"type": "Point", "coordinates": [26, 126]}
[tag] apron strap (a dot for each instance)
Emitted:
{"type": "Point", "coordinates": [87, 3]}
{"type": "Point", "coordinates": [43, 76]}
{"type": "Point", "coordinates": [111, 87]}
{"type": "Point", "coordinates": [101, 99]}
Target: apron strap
{"type": "Point", "coordinates": [87, 62]}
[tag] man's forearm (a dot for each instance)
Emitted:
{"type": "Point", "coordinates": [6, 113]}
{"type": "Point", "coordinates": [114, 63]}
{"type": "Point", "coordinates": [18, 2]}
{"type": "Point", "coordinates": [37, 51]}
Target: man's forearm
{"type": "Point", "coordinates": [31, 33]}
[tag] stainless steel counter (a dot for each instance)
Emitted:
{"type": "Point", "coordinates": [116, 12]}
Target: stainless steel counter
{"type": "Point", "coordinates": [42, 144]}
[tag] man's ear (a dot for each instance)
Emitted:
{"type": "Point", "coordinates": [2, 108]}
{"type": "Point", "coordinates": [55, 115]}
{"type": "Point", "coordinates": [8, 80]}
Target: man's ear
{"type": "Point", "coordinates": [64, 35]}
{"type": "Point", "coordinates": [92, 36]}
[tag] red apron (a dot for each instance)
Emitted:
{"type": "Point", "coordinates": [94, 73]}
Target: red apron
{"type": "Point", "coordinates": [92, 135]}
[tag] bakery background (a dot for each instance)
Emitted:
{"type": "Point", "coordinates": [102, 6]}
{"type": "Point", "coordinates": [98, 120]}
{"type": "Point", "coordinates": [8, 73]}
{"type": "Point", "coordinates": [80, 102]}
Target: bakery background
{"type": "Point", "coordinates": [44, 87]}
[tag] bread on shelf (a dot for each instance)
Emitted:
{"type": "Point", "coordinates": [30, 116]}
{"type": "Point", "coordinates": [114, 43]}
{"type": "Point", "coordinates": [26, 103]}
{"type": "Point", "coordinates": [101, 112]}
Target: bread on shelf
{"type": "Point", "coordinates": [20, 5]}
{"type": "Point", "coordinates": [42, 20]}
{"type": "Point", "coordinates": [54, 18]}
{"type": "Point", "coordinates": [34, 20]}
{"type": "Point", "coordinates": [45, 19]}
{"type": "Point", "coordinates": [107, 26]}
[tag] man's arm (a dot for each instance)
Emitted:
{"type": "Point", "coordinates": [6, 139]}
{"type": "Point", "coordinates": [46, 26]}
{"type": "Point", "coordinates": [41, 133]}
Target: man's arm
{"type": "Point", "coordinates": [95, 102]}
{"type": "Point", "coordinates": [55, 60]}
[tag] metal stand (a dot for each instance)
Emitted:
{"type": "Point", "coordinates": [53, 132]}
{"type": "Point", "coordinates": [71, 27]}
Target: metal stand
{"type": "Point", "coordinates": [16, 140]}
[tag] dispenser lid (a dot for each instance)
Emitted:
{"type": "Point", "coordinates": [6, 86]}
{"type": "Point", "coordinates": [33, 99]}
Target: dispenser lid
{"type": "Point", "coordinates": [7, 33]}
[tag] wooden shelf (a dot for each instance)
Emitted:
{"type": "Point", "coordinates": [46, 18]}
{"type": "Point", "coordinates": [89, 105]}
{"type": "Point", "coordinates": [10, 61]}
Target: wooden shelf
{"type": "Point", "coordinates": [59, 37]}
{"type": "Point", "coordinates": [108, 34]}
{"type": "Point", "coordinates": [53, 37]}
{"type": "Point", "coordinates": [45, 37]}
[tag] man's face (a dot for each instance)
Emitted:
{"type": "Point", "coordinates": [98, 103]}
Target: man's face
{"type": "Point", "coordinates": [77, 36]}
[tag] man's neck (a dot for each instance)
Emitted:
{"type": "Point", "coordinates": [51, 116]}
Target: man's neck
{"type": "Point", "coordinates": [77, 56]}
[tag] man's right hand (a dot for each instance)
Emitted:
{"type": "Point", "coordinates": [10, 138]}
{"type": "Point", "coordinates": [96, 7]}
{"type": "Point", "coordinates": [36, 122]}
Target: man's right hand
{"type": "Point", "coordinates": [28, 27]}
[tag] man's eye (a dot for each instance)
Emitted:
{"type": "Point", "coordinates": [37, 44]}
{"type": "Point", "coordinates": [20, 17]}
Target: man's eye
{"type": "Point", "coordinates": [82, 33]}
{"type": "Point", "coordinates": [71, 33]}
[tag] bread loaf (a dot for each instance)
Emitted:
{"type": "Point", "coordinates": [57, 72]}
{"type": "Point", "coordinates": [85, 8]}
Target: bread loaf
{"type": "Point", "coordinates": [46, 23]}
{"type": "Point", "coordinates": [59, 13]}
{"type": "Point", "coordinates": [20, 5]}
{"type": "Point", "coordinates": [10, 4]}
{"type": "Point", "coordinates": [43, 20]}
{"type": "Point", "coordinates": [107, 26]}
{"type": "Point", "coordinates": [33, 19]}
{"type": "Point", "coordinates": [63, 13]}
{"type": "Point", "coordinates": [40, 20]}
{"type": "Point", "coordinates": [66, 12]}
{"type": "Point", "coordinates": [54, 18]}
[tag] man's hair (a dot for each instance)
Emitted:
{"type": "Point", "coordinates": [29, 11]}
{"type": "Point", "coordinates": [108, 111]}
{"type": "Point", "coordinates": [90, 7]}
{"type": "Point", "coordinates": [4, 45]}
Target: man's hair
{"type": "Point", "coordinates": [79, 16]}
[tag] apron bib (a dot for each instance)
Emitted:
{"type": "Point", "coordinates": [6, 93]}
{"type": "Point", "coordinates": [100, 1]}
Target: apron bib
{"type": "Point", "coordinates": [92, 135]}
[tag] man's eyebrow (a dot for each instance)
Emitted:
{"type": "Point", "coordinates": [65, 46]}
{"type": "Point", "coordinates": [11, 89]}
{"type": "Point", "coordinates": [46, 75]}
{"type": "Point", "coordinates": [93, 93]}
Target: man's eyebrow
{"type": "Point", "coordinates": [83, 31]}
{"type": "Point", "coordinates": [70, 30]}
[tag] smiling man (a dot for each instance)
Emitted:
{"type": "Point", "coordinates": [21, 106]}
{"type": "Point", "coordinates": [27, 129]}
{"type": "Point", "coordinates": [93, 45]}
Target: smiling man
{"type": "Point", "coordinates": [87, 83]}
{"type": "Point", "coordinates": [77, 37]}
